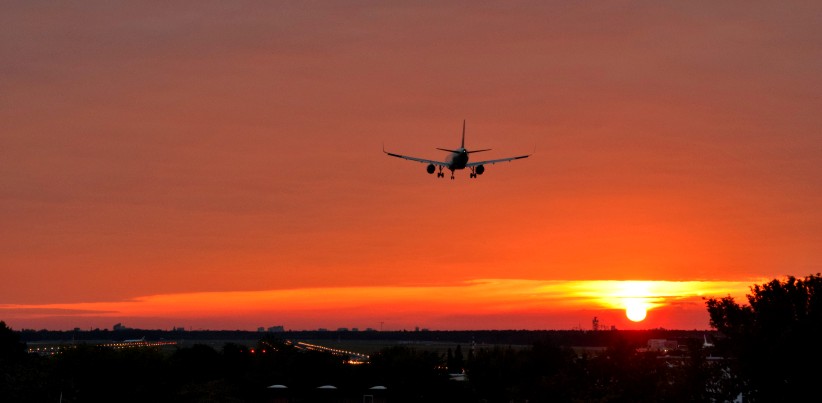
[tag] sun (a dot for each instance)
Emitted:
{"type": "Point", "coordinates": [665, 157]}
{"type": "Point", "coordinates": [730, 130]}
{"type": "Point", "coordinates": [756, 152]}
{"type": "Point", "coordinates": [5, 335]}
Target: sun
{"type": "Point", "coordinates": [636, 309]}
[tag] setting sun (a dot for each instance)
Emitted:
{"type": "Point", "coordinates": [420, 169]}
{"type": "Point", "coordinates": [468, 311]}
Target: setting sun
{"type": "Point", "coordinates": [635, 309]}
{"type": "Point", "coordinates": [634, 295]}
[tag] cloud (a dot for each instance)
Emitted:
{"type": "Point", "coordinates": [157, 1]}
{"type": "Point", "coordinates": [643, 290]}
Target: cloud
{"type": "Point", "coordinates": [22, 311]}
{"type": "Point", "coordinates": [481, 299]}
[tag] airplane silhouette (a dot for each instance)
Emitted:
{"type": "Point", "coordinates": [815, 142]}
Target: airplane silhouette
{"type": "Point", "coordinates": [458, 159]}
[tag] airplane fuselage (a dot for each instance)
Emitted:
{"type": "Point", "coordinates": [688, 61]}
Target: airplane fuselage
{"type": "Point", "coordinates": [457, 160]}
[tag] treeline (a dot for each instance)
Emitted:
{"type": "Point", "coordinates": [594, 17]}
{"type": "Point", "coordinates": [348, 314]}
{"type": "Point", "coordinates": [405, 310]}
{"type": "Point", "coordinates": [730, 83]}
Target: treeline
{"type": "Point", "coordinates": [545, 371]}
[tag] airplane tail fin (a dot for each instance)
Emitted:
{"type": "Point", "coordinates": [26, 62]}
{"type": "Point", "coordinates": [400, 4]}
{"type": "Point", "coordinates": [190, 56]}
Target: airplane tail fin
{"type": "Point", "coordinates": [462, 144]}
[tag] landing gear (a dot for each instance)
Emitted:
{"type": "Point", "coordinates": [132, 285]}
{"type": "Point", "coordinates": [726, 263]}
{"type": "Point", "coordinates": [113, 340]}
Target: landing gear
{"type": "Point", "coordinates": [440, 174]}
{"type": "Point", "coordinates": [473, 173]}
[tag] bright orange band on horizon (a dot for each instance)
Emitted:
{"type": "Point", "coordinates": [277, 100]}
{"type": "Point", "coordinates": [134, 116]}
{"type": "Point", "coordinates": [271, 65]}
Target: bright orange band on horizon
{"type": "Point", "coordinates": [486, 297]}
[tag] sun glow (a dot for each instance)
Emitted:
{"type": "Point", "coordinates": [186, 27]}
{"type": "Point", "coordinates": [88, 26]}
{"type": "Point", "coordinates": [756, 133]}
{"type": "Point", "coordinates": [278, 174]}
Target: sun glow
{"type": "Point", "coordinates": [535, 302]}
{"type": "Point", "coordinates": [635, 309]}
{"type": "Point", "coordinates": [636, 297]}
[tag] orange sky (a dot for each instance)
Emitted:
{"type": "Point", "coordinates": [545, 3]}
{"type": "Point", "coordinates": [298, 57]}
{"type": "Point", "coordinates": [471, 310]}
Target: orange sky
{"type": "Point", "coordinates": [211, 149]}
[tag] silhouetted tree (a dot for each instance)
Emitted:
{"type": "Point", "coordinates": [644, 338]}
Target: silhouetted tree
{"type": "Point", "coordinates": [775, 340]}
{"type": "Point", "coordinates": [23, 377]}
{"type": "Point", "coordinates": [459, 361]}
{"type": "Point", "coordinates": [199, 363]}
{"type": "Point", "coordinates": [11, 349]}
{"type": "Point", "coordinates": [455, 360]}
{"type": "Point", "coordinates": [544, 372]}
{"type": "Point", "coordinates": [100, 374]}
{"type": "Point", "coordinates": [411, 375]}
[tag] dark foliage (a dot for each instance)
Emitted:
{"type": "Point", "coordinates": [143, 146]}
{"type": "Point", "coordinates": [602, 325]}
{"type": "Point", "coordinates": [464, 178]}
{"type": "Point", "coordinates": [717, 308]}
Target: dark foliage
{"type": "Point", "coordinates": [544, 372]}
{"type": "Point", "coordinates": [11, 350]}
{"type": "Point", "coordinates": [774, 340]}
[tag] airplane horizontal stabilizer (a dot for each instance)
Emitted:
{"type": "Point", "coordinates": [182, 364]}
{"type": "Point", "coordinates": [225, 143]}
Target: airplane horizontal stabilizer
{"type": "Point", "coordinates": [450, 151]}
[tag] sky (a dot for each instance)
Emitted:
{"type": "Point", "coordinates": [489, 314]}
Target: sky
{"type": "Point", "coordinates": [219, 165]}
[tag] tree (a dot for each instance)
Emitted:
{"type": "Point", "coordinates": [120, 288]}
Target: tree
{"type": "Point", "coordinates": [457, 362]}
{"type": "Point", "coordinates": [10, 347]}
{"type": "Point", "coordinates": [774, 340]}
{"type": "Point", "coordinates": [410, 375]}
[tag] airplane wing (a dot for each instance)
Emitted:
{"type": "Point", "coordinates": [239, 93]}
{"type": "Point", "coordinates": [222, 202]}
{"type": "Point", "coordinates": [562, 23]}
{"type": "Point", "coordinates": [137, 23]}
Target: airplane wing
{"type": "Point", "coordinates": [492, 162]}
{"type": "Point", "coordinates": [423, 160]}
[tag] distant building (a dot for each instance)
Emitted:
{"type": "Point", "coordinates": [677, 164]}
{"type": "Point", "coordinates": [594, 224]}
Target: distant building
{"type": "Point", "coordinates": [662, 345]}
{"type": "Point", "coordinates": [276, 329]}
{"type": "Point", "coordinates": [342, 329]}
{"type": "Point", "coordinates": [355, 329]}
{"type": "Point", "coordinates": [119, 326]}
{"type": "Point", "coordinates": [261, 329]}
{"type": "Point", "coordinates": [178, 329]}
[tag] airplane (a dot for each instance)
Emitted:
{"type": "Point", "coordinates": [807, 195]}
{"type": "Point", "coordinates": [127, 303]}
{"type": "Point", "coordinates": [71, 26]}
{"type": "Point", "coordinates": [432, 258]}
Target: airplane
{"type": "Point", "coordinates": [458, 159]}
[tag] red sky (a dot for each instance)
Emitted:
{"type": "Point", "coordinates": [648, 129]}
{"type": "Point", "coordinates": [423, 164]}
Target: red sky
{"type": "Point", "coordinates": [208, 152]}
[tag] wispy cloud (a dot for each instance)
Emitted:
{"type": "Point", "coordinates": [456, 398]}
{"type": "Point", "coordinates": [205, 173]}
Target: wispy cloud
{"type": "Point", "coordinates": [415, 304]}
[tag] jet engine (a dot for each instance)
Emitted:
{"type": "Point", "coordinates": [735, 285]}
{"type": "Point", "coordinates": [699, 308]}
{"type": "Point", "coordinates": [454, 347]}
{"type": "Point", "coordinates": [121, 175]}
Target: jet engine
{"type": "Point", "coordinates": [430, 168]}
{"type": "Point", "coordinates": [480, 169]}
